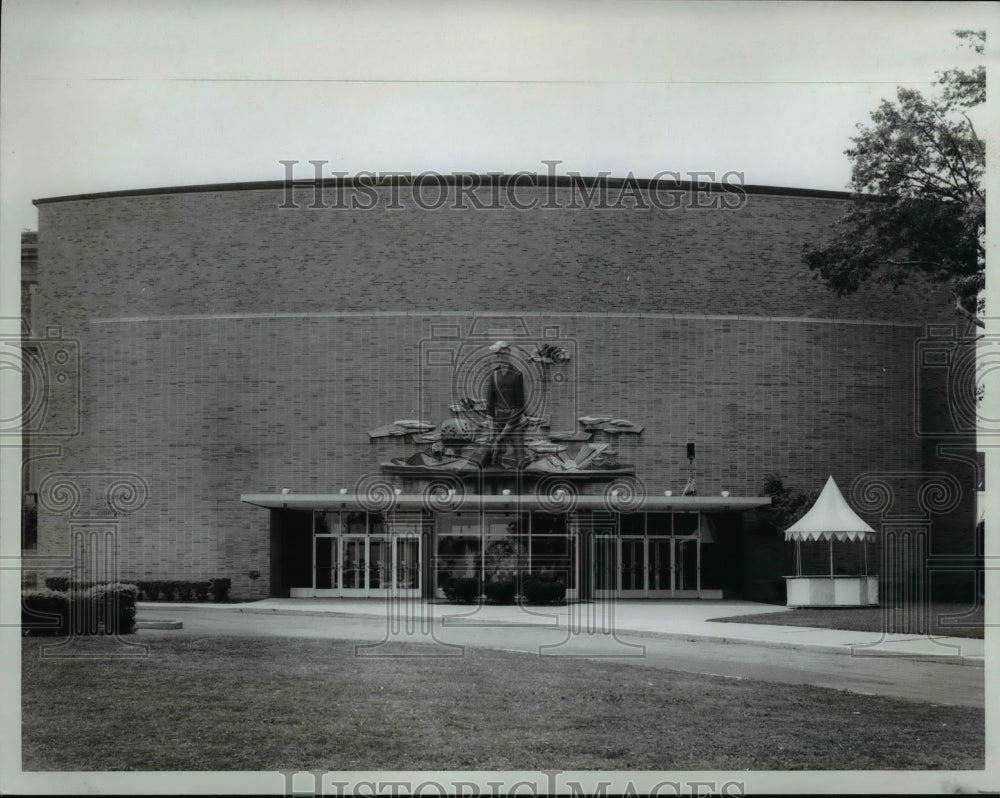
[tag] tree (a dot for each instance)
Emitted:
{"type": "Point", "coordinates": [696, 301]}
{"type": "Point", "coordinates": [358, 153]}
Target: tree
{"type": "Point", "coordinates": [919, 208]}
{"type": "Point", "coordinates": [788, 504]}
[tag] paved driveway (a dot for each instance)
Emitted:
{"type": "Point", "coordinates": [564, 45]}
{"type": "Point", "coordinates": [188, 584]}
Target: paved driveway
{"type": "Point", "coordinates": [935, 680]}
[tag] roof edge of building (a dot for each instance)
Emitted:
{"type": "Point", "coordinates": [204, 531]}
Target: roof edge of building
{"type": "Point", "coordinates": [467, 181]}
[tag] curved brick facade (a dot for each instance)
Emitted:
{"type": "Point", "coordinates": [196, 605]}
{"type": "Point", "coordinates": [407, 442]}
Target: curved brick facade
{"type": "Point", "coordinates": [229, 345]}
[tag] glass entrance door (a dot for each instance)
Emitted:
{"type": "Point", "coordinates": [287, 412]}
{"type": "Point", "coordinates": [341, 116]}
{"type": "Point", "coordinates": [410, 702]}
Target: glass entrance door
{"type": "Point", "coordinates": [605, 566]}
{"type": "Point", "coordinates": [325, 582]}
{"type": "Point", "coordinates": [378, 566]}
{"type": "Point", "coordinates": [406, 566]}
{"type": "Point", "coordinates": [660, 570]}
{"type": "Point", "coordinates": [632, 569]}
{"type": "Point", "coordinates": [353, 570]}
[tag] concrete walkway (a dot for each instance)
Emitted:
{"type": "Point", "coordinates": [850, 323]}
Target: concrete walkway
{"type": "Point", "coordinates": [690, 620]}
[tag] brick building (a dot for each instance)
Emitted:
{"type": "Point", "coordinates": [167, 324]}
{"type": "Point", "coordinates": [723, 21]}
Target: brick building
{"type": "Point", "coordinates": [220, 360]}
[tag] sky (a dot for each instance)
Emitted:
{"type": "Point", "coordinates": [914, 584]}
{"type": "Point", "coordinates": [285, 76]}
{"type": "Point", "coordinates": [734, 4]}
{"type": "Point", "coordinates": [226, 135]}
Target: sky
{"type": "Point", "coordinates": [105, 95]}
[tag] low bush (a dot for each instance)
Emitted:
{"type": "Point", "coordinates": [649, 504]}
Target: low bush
{"type": "Point", "coordinates": [58, 583]}
{"type": "Point", "coordinates": [114, 607]}
{"type": "Point", "coordinates": [63, 584]}
{"type": "Point", "coordinates": [543, 589]}
{"type": "Point", "coordinates": [44, 612]}
{"type": "Point", "coordinates": [462, 590]}
{"type": "Point", "coordinates": [156, 589]}
{"type": "Point", "coordinates": [101, 609]}
{"type": "Point", "coordinates": [148, 591]}
{"type": "Point", "coordinates": [219, 588]}
{"type": "Point", "coordinates": [501, 591]}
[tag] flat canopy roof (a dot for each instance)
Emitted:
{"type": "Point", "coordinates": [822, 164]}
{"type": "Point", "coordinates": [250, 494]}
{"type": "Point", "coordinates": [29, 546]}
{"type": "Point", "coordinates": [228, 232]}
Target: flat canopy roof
{"type": "Point", "coordinates": [475, 502]}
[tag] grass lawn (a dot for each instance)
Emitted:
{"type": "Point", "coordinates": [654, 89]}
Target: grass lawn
{"type": "Point", "coordinates": [952, 620]}
{"type": "Point", "coordinates": [205, 703]}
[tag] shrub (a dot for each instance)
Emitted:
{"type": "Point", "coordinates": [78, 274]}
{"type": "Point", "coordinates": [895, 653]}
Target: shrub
{"type": "Point", "coordinates": [462, 590]}
{"type": "Point", "coordinates": [101, 609]}
{"type": "Point", "coordinates": [114, 607]}
{"type": "Point", "coordinates": [44, 612]}
{"type": "Point", "coordinates": [181, 590]}
{"type": "Point", "coordinates": [219, 588]}
{"type": "Point", "coordinates": [150, 590]}
{"type": "Point", "coordinates": [543, 589]}
{"type": "Point", "coordinates": [502, 591]}
{"type": "Point", "coordinates": [155, 590]}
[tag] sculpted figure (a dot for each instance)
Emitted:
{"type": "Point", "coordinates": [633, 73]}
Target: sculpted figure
{"type": "Point", "coordinates": [505, 408]}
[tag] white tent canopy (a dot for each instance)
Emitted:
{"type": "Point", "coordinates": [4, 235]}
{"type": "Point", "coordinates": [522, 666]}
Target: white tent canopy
{"type": "Point", "coordinates": [830, 518]}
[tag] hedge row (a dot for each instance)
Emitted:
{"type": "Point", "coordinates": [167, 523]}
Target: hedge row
{"type": "Point", "coordinates": [536, 589]}
{"type": "Point", "coordinates": [101, 609]}
{"type": "Point", "coordinates": [158, 590]}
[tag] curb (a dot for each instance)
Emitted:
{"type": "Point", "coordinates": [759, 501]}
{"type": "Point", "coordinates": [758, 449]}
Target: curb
{"type": "Point", "coordinates": [849, 649]}
{"type": "Point", "coordinates": [159, 625]}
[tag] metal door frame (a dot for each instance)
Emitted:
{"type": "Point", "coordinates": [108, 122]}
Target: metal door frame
{"type": "Point", "coordinates": [393, 589]}
{"type": "Point", "coordinates": [323, 592]}
{"type": "Point", "coordinates": [674, 589]}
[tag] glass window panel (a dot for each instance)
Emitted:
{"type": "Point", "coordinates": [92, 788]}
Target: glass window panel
{"type": "Point", "coordinates": [658, 523]}
{"type": "Point", "coordinates": [355, 523]}
{"type": "Point", "coordinates": [633, 564]}
{"type": "Point", "coordinates": [501, 525]}
{"type": "Point", "coordinates": [326, 523]}
{"type": "Point", "coordinates": [554, 555]}
{"type": "Point", "coordinates": [326, 573]}
{"type": "Point", "coordinates": [686, 523]}
{"type": "Point", "coordinates": [376, 524]}
{"type": "Point", "coordinates": [457, 558]}
{"type": "Point", "coordinates": [595, 523]}
{"type": "Point", "coordinates": [505, 548]}
{"type": "Point", "coordinates": [659, 564]}
{"type": "Point", "coordinates": [464, 525]}
{"type": "Point", "coordinates": [633, 524]}
{"type": "Point", "coordinates": [352, 562]}
{"type": "Point", "coordinates": [407, 563]}
{"type": "Point", "coordinates": [378, 563]}
{"type": "Point", "coordinates": [548, 524]}
{"type": "Point", "coordinates": [605, 563]}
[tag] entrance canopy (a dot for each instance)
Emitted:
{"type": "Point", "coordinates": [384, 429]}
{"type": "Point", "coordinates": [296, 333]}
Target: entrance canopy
{"type": "Point", "coordinates": [471, 502]}
{"type": "Point", "coordinates": [830, 518]}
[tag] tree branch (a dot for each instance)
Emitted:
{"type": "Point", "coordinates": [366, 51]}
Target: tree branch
{"type": "Point", "coordinates": [969, 315]}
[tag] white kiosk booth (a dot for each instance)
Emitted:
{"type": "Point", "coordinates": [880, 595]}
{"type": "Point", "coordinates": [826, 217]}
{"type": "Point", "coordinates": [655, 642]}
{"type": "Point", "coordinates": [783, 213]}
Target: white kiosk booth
{"type": "Point", "coordinates": [829, 519]}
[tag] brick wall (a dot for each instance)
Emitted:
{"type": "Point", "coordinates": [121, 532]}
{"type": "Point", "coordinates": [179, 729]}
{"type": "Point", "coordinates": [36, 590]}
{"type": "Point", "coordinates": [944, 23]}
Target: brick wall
{"type": "Point", "coordinates": [228, 346]}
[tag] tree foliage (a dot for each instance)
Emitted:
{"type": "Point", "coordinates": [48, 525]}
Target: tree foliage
{"type": "Point", "coordinates": [788, 504]}
{"type": "Point", "coordinates": [919, 208]}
